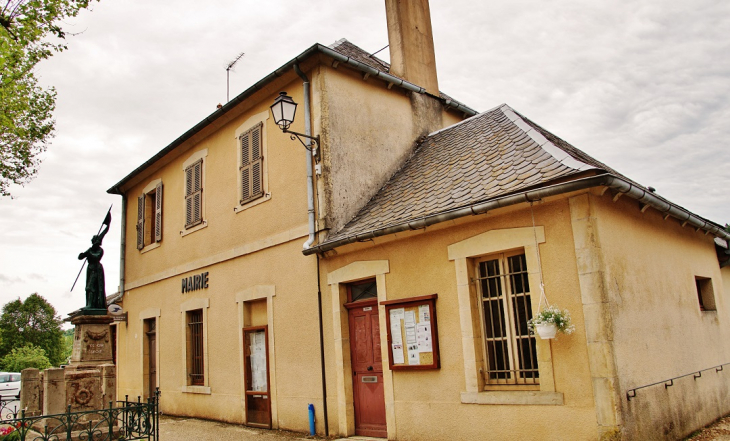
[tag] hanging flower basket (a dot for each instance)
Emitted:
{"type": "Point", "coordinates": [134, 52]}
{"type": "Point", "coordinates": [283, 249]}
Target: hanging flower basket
{"type": "Point", "coordinates": [546, 331]}
{"type": "Point", "coordinates": [550, 320]}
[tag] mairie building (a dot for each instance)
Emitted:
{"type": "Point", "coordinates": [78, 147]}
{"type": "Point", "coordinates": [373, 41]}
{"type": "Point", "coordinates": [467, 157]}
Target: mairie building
{"type": "Point", "coordinates": [382, 263]}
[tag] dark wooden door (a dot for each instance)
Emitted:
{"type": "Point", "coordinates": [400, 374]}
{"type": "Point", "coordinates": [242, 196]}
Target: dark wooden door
{"type": "Point", "coordinates": [256, 360]}
{"type": "Point", "coordinates": [367, 369]}
{"type": "Point", "coordinates": [152, 357]}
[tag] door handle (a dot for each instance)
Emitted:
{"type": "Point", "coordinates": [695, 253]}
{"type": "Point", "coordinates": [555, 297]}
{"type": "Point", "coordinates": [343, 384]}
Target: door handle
{"type": "Point", "coordinates": [370, 368]}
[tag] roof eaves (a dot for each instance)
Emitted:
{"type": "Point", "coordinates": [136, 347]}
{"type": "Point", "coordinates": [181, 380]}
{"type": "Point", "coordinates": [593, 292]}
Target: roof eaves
{"type": "Point", "coordinates": [618, 183]}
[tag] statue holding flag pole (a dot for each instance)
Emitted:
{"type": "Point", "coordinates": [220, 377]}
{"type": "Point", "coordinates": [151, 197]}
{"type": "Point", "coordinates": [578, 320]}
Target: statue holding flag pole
{"type": "Point", "coordinates": [95, 284]}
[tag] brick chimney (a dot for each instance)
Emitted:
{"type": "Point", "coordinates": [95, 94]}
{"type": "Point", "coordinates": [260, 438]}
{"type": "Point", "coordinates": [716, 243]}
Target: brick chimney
{"type": "Point", "coordinates": [411, 43]}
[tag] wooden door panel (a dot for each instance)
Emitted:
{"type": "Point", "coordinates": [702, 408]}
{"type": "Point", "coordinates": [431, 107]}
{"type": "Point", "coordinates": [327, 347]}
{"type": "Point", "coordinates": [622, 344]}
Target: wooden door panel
{"type": "Point", "coordinates": [377, 356]}
{"type": "Point", "coordinates": [367, 369]}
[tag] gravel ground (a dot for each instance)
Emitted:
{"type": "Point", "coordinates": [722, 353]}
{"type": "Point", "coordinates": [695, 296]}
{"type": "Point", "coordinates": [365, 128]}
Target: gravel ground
{"type": "Point", "coordinates": [717, 431]}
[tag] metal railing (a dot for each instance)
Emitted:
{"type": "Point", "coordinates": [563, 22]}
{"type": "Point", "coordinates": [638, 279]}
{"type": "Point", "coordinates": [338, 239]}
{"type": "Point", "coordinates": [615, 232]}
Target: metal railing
{"type": "Point", "coordinates": [631, 393]}
{"type": "Point", "coordinates": [121, 421]}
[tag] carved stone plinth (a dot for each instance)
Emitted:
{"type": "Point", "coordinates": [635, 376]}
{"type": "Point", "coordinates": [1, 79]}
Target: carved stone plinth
{"type": "Point", "coordinates": [92, 343]}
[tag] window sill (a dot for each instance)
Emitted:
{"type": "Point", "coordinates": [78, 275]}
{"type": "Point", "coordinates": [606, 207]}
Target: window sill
{"type": "Point", "coordinates": [513, 397]}
{"type": "Point", "coordinates": [239, 208]}
{"type": "Point", "coordinates": [150, 247]}
{"type": "Point", "coordinates": [196, 390]}
{"type": "Point", "coordinates": [200, 226]}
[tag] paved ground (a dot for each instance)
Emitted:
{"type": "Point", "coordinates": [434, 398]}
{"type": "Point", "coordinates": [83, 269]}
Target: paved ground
{"type": "Point", "coordinates": [718, 431]}
{"type": "Point", "coordinates": [180, 429]}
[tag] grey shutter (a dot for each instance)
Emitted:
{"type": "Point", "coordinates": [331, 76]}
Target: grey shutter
{"type": "Point", "coordinates": [140, 222]}
{"type": "Point", "coordinates": [194, 194]}
{"type": "Point", "coordinates": [252, 176]}
{"type": "Point", "coordinates": [158, 212]}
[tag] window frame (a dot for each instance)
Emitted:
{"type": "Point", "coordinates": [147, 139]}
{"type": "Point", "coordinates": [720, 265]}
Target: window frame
{"type": "Point", "coordinates": [463, 253]}
{"type": "Point", "coordinates": [509, 333]}
{"type": "Point", "coordinates": [255, 121]}
{"type": "Point", "coordinates": [149, 217]}
{"type": "Point", "coordinates": [249, 160]}
{"type": "Point", "coordinates": [192, 305]}
{"type": "Point", "coordinates": [199, 157]}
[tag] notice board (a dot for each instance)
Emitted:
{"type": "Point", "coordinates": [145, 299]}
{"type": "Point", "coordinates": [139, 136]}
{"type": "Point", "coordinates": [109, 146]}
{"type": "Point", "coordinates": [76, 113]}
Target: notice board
{"type": "Point", "coordinates": [412, 333]}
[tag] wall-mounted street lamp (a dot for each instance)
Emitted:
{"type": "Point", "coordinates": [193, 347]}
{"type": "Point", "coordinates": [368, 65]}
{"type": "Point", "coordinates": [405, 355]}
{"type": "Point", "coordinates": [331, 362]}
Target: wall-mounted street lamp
{"type": "Point", "coordinates": [283, 111]}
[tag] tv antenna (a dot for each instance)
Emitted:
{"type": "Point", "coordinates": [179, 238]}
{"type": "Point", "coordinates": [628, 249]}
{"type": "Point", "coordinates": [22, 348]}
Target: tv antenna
{"type": "Point", "coordinates": [228, 74]}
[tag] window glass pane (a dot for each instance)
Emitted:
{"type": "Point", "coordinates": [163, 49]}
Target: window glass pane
{"type": "Point", "coordinates": [494, 318]}
{"type": "Point", "coordinates": [528, 358]}
{"type": "Point", "coordinates": [364, 291]}
{"type": "Point", "coordinates": [522, 313]}
{"type": "Point", "coordinates": [498, 356]}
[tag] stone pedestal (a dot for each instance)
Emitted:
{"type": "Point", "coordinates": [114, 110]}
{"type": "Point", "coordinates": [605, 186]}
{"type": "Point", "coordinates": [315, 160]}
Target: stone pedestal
{"type": "Point", "coordinates": [88, 383]}
{"type": "Point", "coordinates": [92, 344]}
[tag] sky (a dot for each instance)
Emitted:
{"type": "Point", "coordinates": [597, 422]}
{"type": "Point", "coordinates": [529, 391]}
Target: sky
{"type": "Point", "coordinates": [641, 85]}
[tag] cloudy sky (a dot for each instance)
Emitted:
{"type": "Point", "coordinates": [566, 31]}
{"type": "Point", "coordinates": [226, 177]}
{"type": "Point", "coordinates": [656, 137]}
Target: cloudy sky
{"type": "Point", "coordinates": [642, 85]}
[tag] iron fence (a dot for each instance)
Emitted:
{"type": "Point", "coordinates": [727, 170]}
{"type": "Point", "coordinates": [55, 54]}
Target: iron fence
{"type": "Point", "coordinates": [121, 421]}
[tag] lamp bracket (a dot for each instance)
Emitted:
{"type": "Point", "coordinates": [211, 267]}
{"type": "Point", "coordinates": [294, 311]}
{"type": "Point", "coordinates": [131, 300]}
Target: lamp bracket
{"type": "Point", "coordinates": [314, 139]}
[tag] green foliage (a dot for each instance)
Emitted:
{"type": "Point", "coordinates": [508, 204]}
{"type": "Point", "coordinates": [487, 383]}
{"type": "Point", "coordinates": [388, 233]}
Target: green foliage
{"type": "Point", "coordinates": [26, 109]}
{"type": "Point", "coordinates": [26, 357]}
{"type": "Point", "coordinates": [68, 343]}
{"type": "Point", "coordinates": [32, 322]}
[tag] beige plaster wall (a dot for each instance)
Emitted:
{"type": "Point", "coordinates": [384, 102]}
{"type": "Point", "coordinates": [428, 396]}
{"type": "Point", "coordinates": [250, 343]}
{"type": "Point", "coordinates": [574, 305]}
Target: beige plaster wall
{"type": "Point", "coordinates": [283, 210]}
{"type": "Point", "coordinates": [658, 329]}
{"type": "Point", "coordinates": [368, 131]}
{"type": "Point", "coordinates": [291, 314]}
{"type": "Point", "coordinates": [428, 405]}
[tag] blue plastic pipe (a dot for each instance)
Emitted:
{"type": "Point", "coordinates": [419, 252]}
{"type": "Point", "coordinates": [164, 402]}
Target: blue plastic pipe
{"type": "Point", "coordinates": [311, 419]}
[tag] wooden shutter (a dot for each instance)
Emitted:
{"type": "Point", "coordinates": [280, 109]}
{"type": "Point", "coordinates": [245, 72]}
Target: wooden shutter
{"type": "Point", "coordinates": [140, 222]}
{"type": "Point", "coordinates": [252, 173]}
{"type": "Point", "coordinates": [158, 212]}
{"type": "Point", "coordinates": [194, 194]}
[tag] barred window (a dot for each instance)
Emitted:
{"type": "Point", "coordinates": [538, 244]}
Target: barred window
{"type": "Point", "coordinates": [510, 351]}
{"type": "Point", "coordinates": [196, 360]}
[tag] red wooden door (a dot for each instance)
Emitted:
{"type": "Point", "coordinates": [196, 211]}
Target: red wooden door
{"type": "Point", "coordinates": [367, 369]}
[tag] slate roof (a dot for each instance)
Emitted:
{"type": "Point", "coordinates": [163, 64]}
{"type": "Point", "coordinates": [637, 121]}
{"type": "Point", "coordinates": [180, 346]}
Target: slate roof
{"type": "Point", "coordinates": [490, 155]}
{"type": "Point", "coordinates": [348, 49]}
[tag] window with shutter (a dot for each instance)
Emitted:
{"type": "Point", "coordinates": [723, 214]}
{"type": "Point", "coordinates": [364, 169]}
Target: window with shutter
{"type": "Point", "coordinates": [158, 212]}
{"type": "Point", "coordinates": [251, 169]}
{"type": "Point", "coordinates": [140, 222]}
{"type": "Point", "coordinates": [194, 194]}
{"type": "Point", "coordinates": [149, 215]}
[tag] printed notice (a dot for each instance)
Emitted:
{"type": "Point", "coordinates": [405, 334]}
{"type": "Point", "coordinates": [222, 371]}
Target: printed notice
{"type": "Point", "coordinates": [398, 354]}
{"type": "Point", "coordinates": [414, 357]}
{"type": "Point", "coordinates": [423, 337]}
{"type": "Point", "coordinates": [396, 315]}
{"type": "Point", "coordinates": [424, 313]}
{"type": "Point", "coordinates": [409, 322]}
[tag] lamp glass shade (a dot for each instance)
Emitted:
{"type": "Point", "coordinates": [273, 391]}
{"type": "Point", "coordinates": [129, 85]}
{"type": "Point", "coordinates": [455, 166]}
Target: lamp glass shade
{"type": "Point", "coordinates": [283, 110]}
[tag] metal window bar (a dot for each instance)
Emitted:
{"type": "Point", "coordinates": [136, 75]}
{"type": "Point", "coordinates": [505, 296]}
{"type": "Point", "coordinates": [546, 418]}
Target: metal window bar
{"type": "Point", "coordinates": [506, 307]}
{"type": "Point", "coordinates": [195, 324]}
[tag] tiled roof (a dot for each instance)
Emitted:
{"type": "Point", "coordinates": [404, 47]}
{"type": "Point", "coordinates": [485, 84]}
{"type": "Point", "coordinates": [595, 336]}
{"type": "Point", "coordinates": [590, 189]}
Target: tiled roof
{"type": "Point", "coordinates": [490, 155]}
{"type": "Point", "coordinates": [356, 53]}
{"type": "Point", "coordinates": [348, 49]}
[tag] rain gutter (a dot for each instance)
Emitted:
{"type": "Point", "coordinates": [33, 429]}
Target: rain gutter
{"type": "Point", "coordinates": [621, 185]}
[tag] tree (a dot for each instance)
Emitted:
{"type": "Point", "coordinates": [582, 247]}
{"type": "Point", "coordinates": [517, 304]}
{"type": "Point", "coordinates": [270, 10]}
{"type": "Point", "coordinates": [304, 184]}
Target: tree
{"type": "Point", "coordinates": [26, 109]}
{"type": "Point", "coordinates": [32, 322]}
{"type": "Point", "coordinates": [26, 357]}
